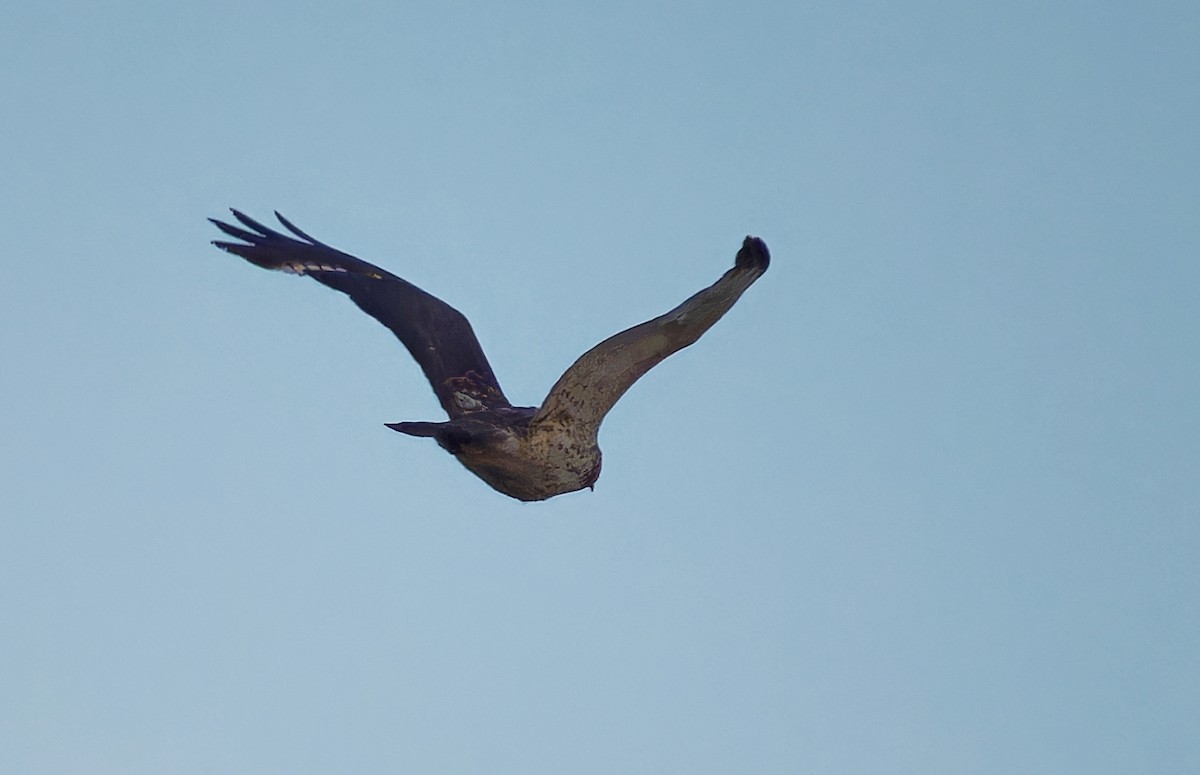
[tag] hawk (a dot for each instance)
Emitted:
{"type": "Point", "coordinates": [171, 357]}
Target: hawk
{"type": "Point", "coordinates": [527, 452]}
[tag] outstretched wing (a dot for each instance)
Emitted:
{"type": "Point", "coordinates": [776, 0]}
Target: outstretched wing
{"type": "Point", "coordinates": [437, 335]}
{"type": "Point", "coordinates": [586, 392]}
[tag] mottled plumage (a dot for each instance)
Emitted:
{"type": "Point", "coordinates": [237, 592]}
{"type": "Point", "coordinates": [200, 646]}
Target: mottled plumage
{"type": "Point", "coordinates": [529, 453]}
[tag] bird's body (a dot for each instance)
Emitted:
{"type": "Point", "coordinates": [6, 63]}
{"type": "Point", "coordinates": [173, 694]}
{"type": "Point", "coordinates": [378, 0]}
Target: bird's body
{"type": "Point", "coordinates": [528, 453]}
{"type": "Point", "coordinates": [503, 447]}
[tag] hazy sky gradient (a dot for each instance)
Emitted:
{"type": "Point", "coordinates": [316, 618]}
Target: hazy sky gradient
{"type": "Point", "coordinates": [926, 501]}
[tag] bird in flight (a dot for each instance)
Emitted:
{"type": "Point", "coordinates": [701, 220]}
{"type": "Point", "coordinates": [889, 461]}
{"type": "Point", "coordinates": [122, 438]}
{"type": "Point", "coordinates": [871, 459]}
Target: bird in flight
{"type": "Point", "coordinates": [527, 452]}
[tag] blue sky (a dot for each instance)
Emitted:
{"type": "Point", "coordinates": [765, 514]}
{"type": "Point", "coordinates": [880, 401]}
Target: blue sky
{"type": "Point", "coordinates": [926, 501]}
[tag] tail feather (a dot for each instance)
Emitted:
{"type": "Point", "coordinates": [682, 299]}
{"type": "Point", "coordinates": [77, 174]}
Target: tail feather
{"type": "Point", "coordinates": [423, 429]}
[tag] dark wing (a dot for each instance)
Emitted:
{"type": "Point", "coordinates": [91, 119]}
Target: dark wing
{"type": "Point", "coordinates": [588, 390]}
{"type": "Point", "coordinates": [437, 335]}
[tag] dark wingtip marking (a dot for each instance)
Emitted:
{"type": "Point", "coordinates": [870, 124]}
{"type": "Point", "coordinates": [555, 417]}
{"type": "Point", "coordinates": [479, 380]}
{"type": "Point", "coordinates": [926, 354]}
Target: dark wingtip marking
{"type": "Point", "coordinates": [236, 233]}
{"type": "Point", "coordinates": [753, 255]}
{"type": "Point", "coordinates": [270, 249]}
{"type": "Point", "coordinates": [294, 229]}
{"type": "Point", "coordinates": [262, 230]}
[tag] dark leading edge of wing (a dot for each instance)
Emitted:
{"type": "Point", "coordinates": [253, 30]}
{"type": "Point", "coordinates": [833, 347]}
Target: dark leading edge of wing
{"type": "Point", "coordinates": [437, 335]}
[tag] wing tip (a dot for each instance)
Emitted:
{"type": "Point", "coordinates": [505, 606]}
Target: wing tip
{"type": "Point", "coordinates": [753, 255]}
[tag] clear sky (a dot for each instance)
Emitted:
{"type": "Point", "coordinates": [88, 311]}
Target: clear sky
{"type": "Point", "coordinates": [926, 501]}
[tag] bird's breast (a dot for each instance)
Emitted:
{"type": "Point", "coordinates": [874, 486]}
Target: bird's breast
{"type": "Point", "coordinates": [534, 466]}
